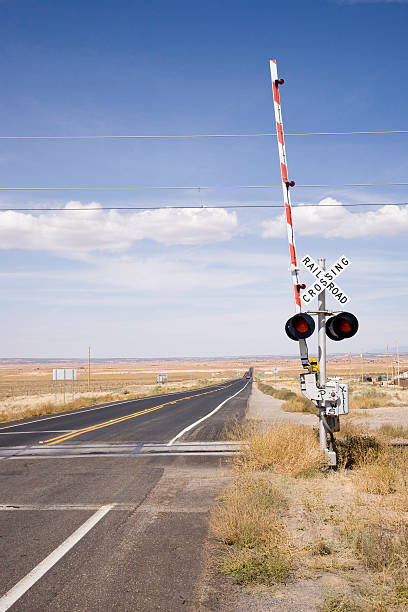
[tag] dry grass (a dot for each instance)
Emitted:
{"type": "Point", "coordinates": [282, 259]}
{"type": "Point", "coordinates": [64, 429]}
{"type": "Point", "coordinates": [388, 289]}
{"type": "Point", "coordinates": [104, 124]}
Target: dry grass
{"type": "Point", "coordinates": [393, 431]}
{"type": "Point", "coordinates": [248, 512]}
{"type": "Point", "coordinates": [249, 520]}
{"type": "Point", "coordinates": [293, 402]}
{"type": "Point", "coordinates": [250, 517]}
{"type": "Point", "coordinates": [12, 413]}
{"type": "Point", "coordinates": [386, 474]}
{"type": "Point", "coordinates": [33, 406]}
{"type": "Point", "coordinates": [363, 396]}
{"type": "Point", "coordinates": [282, 394]}
{"type": "Point", "coordinates": [300, 403]}
{"type": "Point", "coordinates": [349, 524]}
{"type": "Point", "coordinates": [286, 448]}
{"type": "Point", "coordinates": [27, 389]}
{"type": "Point", "coordinates": [364, 399]}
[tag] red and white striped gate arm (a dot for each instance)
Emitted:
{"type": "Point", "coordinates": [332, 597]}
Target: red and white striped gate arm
{"type": "Point", "coordinates": [286, 184]}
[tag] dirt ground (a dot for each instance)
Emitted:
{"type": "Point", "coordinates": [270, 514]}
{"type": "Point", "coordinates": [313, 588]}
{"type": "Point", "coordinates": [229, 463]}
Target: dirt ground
{"type": "Point", "coordinates": [305, 593]}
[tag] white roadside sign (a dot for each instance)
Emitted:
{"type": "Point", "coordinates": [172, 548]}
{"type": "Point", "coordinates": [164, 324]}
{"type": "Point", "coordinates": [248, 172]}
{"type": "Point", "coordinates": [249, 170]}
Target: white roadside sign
{"type": "Point", "coordinates": [325, 279]}
{"type": "Point", "coordinates": [64, 374]}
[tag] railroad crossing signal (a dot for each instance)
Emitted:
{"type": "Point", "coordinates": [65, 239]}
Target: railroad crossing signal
{"type": "Point", "coordinates": [300, 326]}
{"type": "Point", "coordinates": [343, 325]}
{"type": "Point", "coordinates": [325, 279]}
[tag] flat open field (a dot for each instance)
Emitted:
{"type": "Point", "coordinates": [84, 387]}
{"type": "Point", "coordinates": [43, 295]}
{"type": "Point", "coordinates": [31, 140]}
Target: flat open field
{"type": "Point", "coordinates": [27, 388]}
{"type": "Point", "coordinates": [350, 368]}
{"type": "Point", "coordinates": [36, 378]}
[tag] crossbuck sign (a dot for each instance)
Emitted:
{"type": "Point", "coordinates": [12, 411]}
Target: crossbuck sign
{"type": "Point", "coordinates": [325, 279]}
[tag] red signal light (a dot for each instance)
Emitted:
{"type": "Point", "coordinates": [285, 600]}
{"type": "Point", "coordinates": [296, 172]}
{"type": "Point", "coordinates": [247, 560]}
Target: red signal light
{"type": "Point", "coordinates": [292, 183]}
{"type": "Point", "coordinates": [300, 326]}
{"type": "Point", "coordinates": [279, 81]}
{"type": "Point", "coordinates": [343, 325]}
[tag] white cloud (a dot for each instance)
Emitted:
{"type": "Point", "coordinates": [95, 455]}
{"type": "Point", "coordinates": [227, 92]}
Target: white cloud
{"type": "Point", "coordinates": [88, 230]}
{"type": "Point", "coordinates": [331, 221]}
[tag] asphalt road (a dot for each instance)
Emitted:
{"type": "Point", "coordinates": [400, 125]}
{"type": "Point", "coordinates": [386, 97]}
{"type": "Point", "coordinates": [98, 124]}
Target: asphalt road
{"type": "Point", "coordinates": [152, 419]}
{"type": "Point", "coordinates": [94, 533]}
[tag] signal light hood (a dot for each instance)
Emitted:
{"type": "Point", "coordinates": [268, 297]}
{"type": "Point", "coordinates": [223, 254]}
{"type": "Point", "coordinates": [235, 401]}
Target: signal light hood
{"type": "Point", "coordinates": [343, 325]}
{"type": "Point", "coordinates": [300, 326]}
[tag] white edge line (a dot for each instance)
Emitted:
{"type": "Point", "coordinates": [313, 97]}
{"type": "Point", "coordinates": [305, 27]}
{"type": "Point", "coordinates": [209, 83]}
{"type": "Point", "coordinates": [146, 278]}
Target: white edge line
{"type": "Point", "coordinates": [74, 412]}
{"type": "Point", "coordinates": [186, 429]}
{"type": "Point", "coordinates": [42, 568]}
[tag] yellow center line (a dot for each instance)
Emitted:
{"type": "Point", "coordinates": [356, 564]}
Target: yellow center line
{"type": "Point", "coordinates": [79, 432]}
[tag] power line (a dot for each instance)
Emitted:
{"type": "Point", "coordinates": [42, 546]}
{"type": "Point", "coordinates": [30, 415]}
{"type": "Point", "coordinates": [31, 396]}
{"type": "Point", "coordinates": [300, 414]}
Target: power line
{"type": "Point", "coordinates": [197, 187]}
{"type": "Point", "coordinates": [229, 206]}
{"type": "Point", "coordinates": [195, 136]}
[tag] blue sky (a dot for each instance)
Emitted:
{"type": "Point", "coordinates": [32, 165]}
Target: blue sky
{"type": "Point", "coordinates": [168, 283]}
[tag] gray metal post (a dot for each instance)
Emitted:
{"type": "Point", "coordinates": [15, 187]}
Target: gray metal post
{"type": "Point", "coordinates": [72, 386]}
{"type": "Point", "coordinates": [321, 323]}
{"type": "Point", "coordinates": [64, 386]}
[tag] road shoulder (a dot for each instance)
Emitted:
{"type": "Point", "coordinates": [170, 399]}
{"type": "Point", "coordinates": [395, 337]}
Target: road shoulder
{"type": "Point", "coordinates": [265, 409]}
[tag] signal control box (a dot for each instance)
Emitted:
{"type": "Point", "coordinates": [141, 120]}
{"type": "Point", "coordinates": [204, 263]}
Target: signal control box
{"type": "Point", "coordinates": [333, 396]}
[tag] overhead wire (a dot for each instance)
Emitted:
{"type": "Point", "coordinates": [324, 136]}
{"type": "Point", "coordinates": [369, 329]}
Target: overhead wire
{"type": "Point", "coordinates": [202, 207]}
{"type": "Point", "coordinates": [198, 187]}
{"type": "Point", "coordinates": [194, 136]}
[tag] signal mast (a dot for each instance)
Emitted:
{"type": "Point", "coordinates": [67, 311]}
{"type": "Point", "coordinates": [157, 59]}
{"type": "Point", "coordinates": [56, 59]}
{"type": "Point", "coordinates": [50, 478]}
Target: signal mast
{"type": "Point", "coordinates": [331, 397]}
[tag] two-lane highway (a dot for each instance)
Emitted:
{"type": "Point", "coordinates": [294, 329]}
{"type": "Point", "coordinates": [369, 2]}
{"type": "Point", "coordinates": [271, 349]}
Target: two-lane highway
{"type": "Point", "coordinates": [84, 529]}
{"type": "Point", "coordinates": [152, 419]}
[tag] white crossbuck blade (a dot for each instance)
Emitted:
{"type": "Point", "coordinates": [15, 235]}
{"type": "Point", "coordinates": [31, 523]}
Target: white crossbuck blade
{"type": "Point", "coordinates": [325, 279]}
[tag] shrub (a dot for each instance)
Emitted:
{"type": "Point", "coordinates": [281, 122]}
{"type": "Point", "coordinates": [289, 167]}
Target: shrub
{"type": "Point", "coordinates": [387, 474]}
{"type": "Point", "coordinates": [257, 567]}
{"type": "Point", "coordinates": [248, 512]}
{"type": "Point", "coordinates": [334, 602]}
{"type": "Point", "coordinates": [356, 449]}
{"type": "Point", "coordinates": [299, 403]}
{"type": "Point", "coordinates": [379, 546]}
{"type": "Point", "coordinates": [283, 394]}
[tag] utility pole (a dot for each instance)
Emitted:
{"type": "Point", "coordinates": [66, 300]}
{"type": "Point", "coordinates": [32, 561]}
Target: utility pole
{"type": "Point", "coordinates": [388, 367]}
{"type": "Point", "coordinates": [321, 327]}
{"type": "Point", "coordinates": [89, 368]}
{"type": "Point", "coordinates": [362, 367]}
{"type": "Point", "coordinates": [392, 369]}
{"type": "Point", "coordinates": [398, 366]}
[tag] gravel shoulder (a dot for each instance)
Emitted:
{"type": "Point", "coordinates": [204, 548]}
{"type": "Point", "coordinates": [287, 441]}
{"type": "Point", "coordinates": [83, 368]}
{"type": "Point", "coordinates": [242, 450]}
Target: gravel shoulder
{"type": "Point", "coordinates": [267, 409]}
